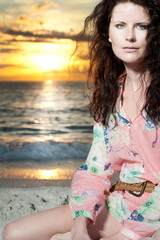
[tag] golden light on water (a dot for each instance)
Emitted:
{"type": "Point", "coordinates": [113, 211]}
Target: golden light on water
{"type": "Point", "coordinates": [54, 174]}
{"type": "Point", "coordinates": [49, 82]}
{"type": "Point", "coordinates": [50, 174]}
{"type": "Point", "coordinates": [46, 174]}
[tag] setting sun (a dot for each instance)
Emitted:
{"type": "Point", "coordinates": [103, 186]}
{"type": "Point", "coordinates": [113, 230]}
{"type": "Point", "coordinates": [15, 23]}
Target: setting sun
{"type": "Point", "coordinates": [49, 62]}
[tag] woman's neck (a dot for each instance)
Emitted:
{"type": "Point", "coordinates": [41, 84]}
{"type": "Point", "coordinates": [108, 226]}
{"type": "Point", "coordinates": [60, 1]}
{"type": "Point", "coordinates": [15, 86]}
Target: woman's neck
{"type": "Point", "coordinates": [133, 95]}
{"type": "Point", "coordinates": [136, 78]}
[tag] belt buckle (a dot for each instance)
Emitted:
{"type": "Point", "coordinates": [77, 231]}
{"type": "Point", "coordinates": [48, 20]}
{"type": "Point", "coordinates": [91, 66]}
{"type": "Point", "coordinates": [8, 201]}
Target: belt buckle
{"type": "Point", "coordinates": [141, 192]}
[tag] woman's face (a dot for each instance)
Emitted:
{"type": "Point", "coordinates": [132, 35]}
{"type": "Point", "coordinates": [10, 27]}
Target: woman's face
{"type": "Point", "coordinates": [128, 31]}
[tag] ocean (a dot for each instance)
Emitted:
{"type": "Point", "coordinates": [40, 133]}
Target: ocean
{"type": "Point", "coordinates": [45, 129]}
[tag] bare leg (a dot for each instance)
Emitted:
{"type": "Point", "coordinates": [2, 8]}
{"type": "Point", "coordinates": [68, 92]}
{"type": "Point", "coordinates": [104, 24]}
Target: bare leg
{"type": "Point", "coordinates": [41, 225]}
{"type": "Point", "coordinates": [44, 225]}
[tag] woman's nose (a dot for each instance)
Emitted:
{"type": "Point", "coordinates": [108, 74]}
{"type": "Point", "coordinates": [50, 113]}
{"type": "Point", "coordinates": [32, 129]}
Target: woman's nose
{"type": "Point", "coordinates": [130, 35]}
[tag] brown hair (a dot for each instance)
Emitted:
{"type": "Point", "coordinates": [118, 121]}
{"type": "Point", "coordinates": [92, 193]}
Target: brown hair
{"type": "Point", "coordinates": [105, 67]}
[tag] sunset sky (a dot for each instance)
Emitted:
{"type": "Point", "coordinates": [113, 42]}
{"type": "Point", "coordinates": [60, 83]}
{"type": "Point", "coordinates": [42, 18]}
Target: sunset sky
{"type": "Point", "coordinates": [37, 38]}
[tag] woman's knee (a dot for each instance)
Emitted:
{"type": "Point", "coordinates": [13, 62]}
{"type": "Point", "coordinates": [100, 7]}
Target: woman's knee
{"type": "Point", "coordinates": [11, 232]}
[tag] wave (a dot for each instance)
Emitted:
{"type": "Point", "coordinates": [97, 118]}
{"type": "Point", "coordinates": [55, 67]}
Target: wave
{"type": "Point", "coordinates": [44, 151]}
{"type": "Point", "coordinates": [37, 109]}
{"type": "Point", "coordinates": [87, 129]}
{"type": "Point", "coordinates": [30, 131]}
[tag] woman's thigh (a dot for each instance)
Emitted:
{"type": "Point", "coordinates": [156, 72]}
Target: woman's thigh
{"type": "Point", "coordinates": [41, 225]}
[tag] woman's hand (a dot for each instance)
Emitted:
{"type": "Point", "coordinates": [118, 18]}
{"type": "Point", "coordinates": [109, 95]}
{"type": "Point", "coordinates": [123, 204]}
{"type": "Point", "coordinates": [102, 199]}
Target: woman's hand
{"type": "Point", "coordinates": [79, 229]}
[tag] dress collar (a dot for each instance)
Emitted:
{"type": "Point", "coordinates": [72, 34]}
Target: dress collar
{"type": "Point", "coordinates": [119, 107]}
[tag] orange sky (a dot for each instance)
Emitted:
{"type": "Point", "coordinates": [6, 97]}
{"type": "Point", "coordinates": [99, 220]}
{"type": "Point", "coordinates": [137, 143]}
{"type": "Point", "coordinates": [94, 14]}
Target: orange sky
{"type": "Point", "coordinates": [37, 39]}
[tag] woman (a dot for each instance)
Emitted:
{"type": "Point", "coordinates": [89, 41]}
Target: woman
{"type": "Point", "coordinates": [124, 63]}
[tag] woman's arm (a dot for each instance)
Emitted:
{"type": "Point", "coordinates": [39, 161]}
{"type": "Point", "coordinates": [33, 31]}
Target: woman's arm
{"type": "Point", "coordinates": [79, 229]}
{"type": "Point", "coordinates": [91, 181]}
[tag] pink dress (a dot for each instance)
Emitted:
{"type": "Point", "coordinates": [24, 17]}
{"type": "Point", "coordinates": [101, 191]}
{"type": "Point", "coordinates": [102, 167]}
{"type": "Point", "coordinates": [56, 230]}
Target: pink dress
{"type": "Point", "coordinates": [132, 149]}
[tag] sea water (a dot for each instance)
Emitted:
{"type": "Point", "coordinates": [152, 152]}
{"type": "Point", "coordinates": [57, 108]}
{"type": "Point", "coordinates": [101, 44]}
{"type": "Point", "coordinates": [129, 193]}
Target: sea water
{"type": "Point", "coordinates": [45, 129]}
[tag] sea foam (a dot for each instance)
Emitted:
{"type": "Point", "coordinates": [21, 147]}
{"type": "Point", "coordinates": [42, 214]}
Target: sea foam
{"type": "Point", "coordinates": [44, 151]}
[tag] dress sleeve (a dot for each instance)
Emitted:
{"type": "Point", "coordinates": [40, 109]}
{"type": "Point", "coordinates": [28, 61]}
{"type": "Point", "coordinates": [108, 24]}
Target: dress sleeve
{"type": "Point", "coordinates": [91, 181]}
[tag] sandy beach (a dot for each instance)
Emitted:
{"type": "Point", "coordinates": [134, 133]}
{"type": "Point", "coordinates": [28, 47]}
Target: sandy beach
{"type": "Point", "coordinates": [19, 201]}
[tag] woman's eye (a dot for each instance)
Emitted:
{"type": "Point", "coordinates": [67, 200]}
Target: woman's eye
{"type": "Point", "coordinates": [142, 27]}
{"type": "Point", "coordinates": [119, 26]}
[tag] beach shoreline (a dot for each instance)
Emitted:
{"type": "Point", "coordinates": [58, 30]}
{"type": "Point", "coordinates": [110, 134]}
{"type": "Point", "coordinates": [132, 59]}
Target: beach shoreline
{"type": "Point", "coordinates": [21, 182]}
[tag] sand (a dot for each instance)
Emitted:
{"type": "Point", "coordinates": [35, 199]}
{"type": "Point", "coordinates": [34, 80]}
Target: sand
{"type": "Point", "coordinates": [17, 202]}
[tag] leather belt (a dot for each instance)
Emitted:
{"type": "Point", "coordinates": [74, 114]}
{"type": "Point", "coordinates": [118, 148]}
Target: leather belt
{"type": "Point", "coordinates": [136, 189]}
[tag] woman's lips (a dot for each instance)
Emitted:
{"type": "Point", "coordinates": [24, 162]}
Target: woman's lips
{"type": "Point", "coordinates": [130, 49]}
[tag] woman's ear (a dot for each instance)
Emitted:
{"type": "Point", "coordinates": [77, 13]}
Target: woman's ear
{"type": "Point", "coordinates": [109, 39]}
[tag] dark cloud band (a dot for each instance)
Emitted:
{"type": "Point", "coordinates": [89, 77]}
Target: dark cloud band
{"type": "Point", "coordinates": [44, 35]}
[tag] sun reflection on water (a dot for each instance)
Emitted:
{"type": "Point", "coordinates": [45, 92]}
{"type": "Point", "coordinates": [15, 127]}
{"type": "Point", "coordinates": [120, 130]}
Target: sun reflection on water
{"type": "Point", "coordinates": [46, 174]}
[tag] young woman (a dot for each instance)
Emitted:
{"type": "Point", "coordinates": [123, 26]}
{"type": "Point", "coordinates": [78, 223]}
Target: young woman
{"type": "Point", "coordinates": [125, 68]}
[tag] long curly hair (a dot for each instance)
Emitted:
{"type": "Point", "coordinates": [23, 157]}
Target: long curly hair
{"type": "Point", "coordinates": [105, 67]}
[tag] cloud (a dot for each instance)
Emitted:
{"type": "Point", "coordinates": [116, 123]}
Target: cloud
{"type": "Point", "coordinates": [13, 66]}
{"type": "Point", "coordinates": [25, 19]}
{"type": "Point", "coordinates": [44, 5]}
{"type": "Point", "coordinates": [30, 40]}
{"type": "Point", "coordinates": [41, 35]}
{"type": "Point", "coordinates": [6, 65]}
{"type": "Point", "coordinates": [8, 50]}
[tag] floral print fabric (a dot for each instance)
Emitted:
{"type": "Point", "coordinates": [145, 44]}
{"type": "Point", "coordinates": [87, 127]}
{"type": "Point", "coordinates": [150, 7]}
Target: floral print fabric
{"type": "Point", "coordinates": [132, 149]}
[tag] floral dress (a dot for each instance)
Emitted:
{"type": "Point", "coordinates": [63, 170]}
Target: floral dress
{"type": "Point", "coordinates": [133, 150]}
